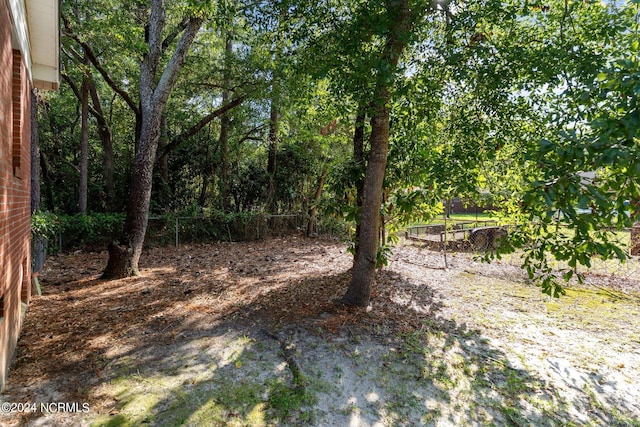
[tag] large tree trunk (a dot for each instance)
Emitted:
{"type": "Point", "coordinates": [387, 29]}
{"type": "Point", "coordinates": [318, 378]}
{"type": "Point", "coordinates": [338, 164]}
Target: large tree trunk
{"type": "Point", "coordinates": [124, 255]}
{"type": "Point", "coordinates": [358, 158]}
{"type": "Point", "coordinates": [363, 273]}
{"type": "Point", "coordinates": [155, 89]}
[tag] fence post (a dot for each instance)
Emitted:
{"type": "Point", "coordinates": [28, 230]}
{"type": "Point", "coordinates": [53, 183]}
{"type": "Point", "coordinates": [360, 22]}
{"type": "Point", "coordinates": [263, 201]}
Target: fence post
{"type": "Point", "coordinates": [444, 245]}
{"type": "Point", "coordinates": [176, 232]}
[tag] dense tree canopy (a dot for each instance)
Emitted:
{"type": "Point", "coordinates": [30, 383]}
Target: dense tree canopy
{"type": "Point", "coordinates": [375, 111]}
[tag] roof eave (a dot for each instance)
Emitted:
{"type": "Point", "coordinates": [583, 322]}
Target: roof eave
{"type": "Point", "coordinates": [44, 37]}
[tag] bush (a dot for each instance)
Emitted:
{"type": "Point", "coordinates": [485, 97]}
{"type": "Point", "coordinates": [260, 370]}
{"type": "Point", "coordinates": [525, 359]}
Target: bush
{"type": "Point", "coordinates": [45, 225]}
{"type": "Point", "coordinates": [96, 229]}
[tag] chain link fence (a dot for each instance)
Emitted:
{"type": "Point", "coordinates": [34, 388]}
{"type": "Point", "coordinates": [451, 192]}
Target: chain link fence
{"type": "Point", "coordinates": [477, 237]}
{"type": "Point", "coordinates": [171, 230]}
{"type": "Point", "coordinates": [185, 229]}
{"type": "Point", "coordinates": [458, 236]}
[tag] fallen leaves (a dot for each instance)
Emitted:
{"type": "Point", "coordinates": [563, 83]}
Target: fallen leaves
{"type": "Point", "coordinates": [81, 323]}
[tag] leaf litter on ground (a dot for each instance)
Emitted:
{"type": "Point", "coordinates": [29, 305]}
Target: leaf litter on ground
{"type": "Point", "coordinates": [470, 344]}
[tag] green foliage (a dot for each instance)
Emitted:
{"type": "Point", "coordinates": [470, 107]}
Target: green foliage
{"type": "Point", "coordinates": [45, 225]}
{"type": "Point", "coordinates": [95, 229]}
{"type": "Point", "coordinates": [501, 103]}
{"type": "Point", "coordinates": [383, 255]}
{"type": "Point", "coordinates": [588, 182]}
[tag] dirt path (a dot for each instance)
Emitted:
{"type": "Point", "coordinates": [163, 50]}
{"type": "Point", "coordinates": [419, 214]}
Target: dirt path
{"type": "Point", "coordinates": [210, 334]}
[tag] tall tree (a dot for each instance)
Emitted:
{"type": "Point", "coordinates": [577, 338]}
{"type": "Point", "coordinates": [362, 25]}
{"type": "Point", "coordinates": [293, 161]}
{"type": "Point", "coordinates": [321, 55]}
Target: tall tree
{"type": "Point", "coordinates": [275, 103]}
{"type": "Point", "coordinates": [156, 82]}
{"type": "Point", "coordinates": [400, 18]}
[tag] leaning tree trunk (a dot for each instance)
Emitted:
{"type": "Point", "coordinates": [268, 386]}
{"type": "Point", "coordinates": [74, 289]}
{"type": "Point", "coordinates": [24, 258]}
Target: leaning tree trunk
{"type": "Point", "coordinates": [155, 89]}
{"type": "Point", "coordinates": [363, 273]}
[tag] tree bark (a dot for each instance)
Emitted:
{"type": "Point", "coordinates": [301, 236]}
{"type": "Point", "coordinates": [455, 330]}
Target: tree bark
{"type": "Point", "coordinates": [358, 158]}
{"type": "Point", "coordinates": [104, 133]}
{"type": "Point", "coordinates": [363, 272]}
{"type": "Point", "coordinates": [124, 256]}
{"type": "Point", "coordinates": [274, 123]}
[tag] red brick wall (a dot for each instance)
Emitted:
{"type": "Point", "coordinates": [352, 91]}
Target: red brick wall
{"type": "Point", "coordinates": [15, 130]}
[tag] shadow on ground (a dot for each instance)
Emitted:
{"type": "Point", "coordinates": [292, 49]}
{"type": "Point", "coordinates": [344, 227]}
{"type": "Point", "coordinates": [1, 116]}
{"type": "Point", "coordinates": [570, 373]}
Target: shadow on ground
{"type": "Point", "coordinates": [210, 336]}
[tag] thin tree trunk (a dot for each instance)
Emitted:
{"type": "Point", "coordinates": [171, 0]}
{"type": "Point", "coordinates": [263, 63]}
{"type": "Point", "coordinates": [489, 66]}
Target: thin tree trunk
{"type": "Point", "coordinates": [273, 151]}
{"type": "Point", "coordinates": [316, 197]}
{"type": "Point", "coordinates": [274, 122]}
{"type": "Point", "coordinates": [224, 127]}
{"type": "Point", "coordinates": [363, 273]}
{"type": "Point", "coordinates": [104, 133]}
{"type": "Point", "coordinates": [163, 164]}
{"type": "Point", "coordinates": [35, 155]}
{"type": "Point", "coordinates": [83, 186]}
{"type": "Point", "coordinates": [48, 184]}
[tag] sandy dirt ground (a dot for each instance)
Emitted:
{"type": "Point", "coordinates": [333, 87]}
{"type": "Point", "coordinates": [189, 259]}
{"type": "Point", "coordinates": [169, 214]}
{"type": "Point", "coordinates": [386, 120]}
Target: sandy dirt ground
{"type": "Point", "coordinates": [252, 333]}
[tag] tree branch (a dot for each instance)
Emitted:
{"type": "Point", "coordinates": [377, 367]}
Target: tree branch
{"type": "Point", "coordinates": [170, 73]}
{"type": "Point", "coordinates": [175, 142]}
{"type": "Point", "coordinates": [171, 37]}
{"type": "Point", "coordinates": [68, 30]}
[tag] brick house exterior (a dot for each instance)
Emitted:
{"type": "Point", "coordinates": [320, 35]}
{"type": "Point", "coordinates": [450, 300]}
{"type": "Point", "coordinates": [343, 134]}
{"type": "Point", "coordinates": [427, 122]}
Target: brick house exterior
{"type": "Point", "coordinates": [28, 59]}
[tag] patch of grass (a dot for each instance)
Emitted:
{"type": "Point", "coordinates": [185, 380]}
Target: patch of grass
{"type": "Point", "coordinates": [616, 418]}
{"type": "Point", "coordinates": [285, 400]}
